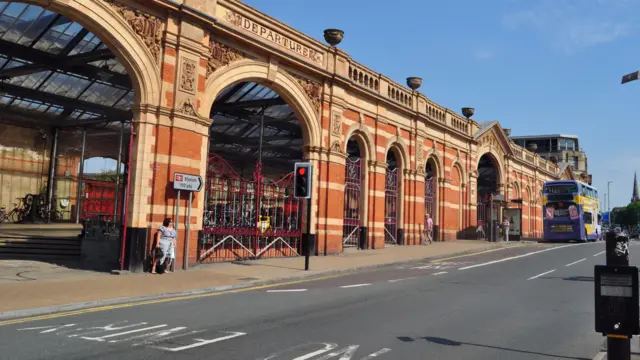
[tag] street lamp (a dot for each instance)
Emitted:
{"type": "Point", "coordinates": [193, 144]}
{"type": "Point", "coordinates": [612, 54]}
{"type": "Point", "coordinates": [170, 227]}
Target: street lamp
{"type": "Point", "coordinates": [609, 200]}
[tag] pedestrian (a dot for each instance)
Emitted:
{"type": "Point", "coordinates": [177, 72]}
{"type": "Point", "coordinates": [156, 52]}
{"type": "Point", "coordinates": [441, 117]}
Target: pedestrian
{"type": "Point", "coordinates": [505, 225]}
{"type": "Point", "coordinates": [428, 230]}
{"type": "Point", "coordinates": [165, 238]}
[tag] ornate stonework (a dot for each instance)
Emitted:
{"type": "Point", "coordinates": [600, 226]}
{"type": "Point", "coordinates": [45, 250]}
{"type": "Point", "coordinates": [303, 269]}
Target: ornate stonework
{"type": "Point", "coordinates": [336, 125]}
{"type": "Point", "coordinates": [420, 156]}
{"type": "Point", "coordinates": [221, 55]}
{"type": "Point", "coordinates": [188, 108]}
{"type": "Point", "coordinates": [335, 147]}
{"type": "Point", "coordinates": [312, 89]}
{"type": "Point", "coordinates": [188, 77]}
{"type": "Point", "coordinates": [147, 27]}
{"type": "Point", "coordinates": [491, 141]}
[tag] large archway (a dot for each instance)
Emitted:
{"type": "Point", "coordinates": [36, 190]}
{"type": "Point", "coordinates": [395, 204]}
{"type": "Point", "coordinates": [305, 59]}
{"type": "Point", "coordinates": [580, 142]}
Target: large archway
{"type": "Point", "coordinates": [488, 181]}
{"type": "Point", "coordinates": [392, 198]}
{"type": "Point", "coordinates": [249, 209]}
{"type": "Point", "coordinates": [353, 196]}
{"type": "Point", "coordinates": [70, 75]}
{"type": "Point", "coordinates": [431, 194]}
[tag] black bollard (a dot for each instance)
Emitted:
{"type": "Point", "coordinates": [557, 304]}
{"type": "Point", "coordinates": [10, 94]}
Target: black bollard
{"type": "Point", "coordinates": [617, 246]}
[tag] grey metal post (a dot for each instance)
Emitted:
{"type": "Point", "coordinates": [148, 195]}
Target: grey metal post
{"type": "Point", "coordinates": [176, 222]}
{"type": "Point", "coordinates": [80, 176]}
{"type": "Point", "coordinates": [185, 255]}
{"type": "Point", "coordinates": [52, 169]}
{"type": "Point", "coordinates": [119, 164]}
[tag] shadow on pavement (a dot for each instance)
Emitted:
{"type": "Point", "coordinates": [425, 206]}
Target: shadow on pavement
{"type": "Point", "coordinates": [449, 342]}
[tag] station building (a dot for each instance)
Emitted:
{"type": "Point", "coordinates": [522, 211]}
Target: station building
{"type": "Point", "coordinates": [217, 89]}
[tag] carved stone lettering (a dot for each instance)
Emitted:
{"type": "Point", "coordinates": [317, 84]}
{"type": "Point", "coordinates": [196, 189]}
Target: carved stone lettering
{"type": "Point", "coordinates": [312, 89]}
{"type": "Point", "coordinates": [221, 55]}
{"type": "Point", "coordinates": [188, 108]}
{"type": "Point", "coordinates": [147, 27]}
{"type": "Point", "coordinates": [336, 126]}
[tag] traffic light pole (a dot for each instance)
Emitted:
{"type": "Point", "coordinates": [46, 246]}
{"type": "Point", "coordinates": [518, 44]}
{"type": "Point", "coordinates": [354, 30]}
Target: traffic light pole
{"type": "Point", "coordinates": [307, 252]}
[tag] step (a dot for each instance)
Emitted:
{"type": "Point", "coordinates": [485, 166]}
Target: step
{"type": "Point", "coordinates": [43, 252]}
{"type": "Point", "coordinates": [42, 242]}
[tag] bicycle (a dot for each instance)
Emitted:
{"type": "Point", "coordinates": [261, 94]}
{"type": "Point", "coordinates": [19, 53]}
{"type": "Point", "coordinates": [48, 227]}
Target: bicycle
{"type": "Point", "coordinates": [17, 213]}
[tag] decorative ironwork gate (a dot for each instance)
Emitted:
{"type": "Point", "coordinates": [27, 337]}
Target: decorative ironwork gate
{"type": "Point", "coordinates": [430, 198]}
{"type": "Point", "coordinates": [484, 216]}
{"type": "Point", "coordinates": [248, 219]}
{"type": "Point", "coordinates": [390, 207]}
{"type": "Point", "coordinates": [352, 202]}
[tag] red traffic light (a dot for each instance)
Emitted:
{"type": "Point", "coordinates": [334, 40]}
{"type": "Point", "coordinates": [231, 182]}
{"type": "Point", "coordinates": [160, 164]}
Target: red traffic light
{"type": "Point", "coordinates": [301, 171]}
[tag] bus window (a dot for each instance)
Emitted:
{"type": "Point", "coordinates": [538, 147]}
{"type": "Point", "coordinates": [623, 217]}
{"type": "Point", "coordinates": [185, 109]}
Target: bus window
{"type": "Point", "coordinates": [599, 219]}
{"type": "Point", "coordinates": [588, 218]}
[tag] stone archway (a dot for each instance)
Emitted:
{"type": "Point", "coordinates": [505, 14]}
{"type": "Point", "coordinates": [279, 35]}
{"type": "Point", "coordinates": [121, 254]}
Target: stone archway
{"type": "Point", "coordinates": [354, 218]}
{"type": "Point", "coordinates": [431, 191]}
{"type": "Point", "coordinates": [488, 184]}
{"type": "Point", "coordinates": [302, 95]}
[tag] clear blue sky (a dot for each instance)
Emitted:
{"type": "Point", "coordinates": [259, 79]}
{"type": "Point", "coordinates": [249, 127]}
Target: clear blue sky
{"type": "Point", "coordinates": [537, 66]}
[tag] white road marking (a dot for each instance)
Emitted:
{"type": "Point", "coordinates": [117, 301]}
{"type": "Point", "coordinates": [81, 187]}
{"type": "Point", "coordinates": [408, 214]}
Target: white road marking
{"type": "Point", "coordinates": [601, 355]}
{"type": "Point", "coordinates": [328, 347]}
{"type": "Point", "coordinates": [575, 262]}
{"type": "Point", "coordinates": [377, 353]}
{"type": "Point", "coordinates": [101, 338]}
{"type": "Point", "coordinates": [516, 257]}
{"type": "Point", "coordinates": [600, 253]}
{"type": "Point", "coordinates": [440, 273]}
{"type": "Point", "coordinates": [286, 290]}
{"type": "Point", "coordinates": [396, 280]}
{"type": "Point", "coordinates": [543, 274]}
{"type": "Point", "coordinates": [201, 342]}
{"type": "Point", "coordinates": [352, 286]}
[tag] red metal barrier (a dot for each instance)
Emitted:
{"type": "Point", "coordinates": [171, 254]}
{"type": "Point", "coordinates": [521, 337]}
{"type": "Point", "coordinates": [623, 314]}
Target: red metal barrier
{"type": "Point", "coordinates": [248, 219]}
{"type": "Point", "coordinates": [352, 202]}
{"type": "Point", "coordinates": [98, 197]}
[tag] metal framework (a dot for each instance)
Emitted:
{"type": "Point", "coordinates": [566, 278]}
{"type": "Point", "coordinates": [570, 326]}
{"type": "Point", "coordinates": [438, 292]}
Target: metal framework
{"type": "Point", "coordinates": [487, 184]}
{"type": "Point", "coordinates": [430, 188]}
{"type": "Point", "coordinates": [250, 211]}
{"type": "Point", "coordinates": [391, 207]}
{"type": "Point", "coordinates": [352, 202]}
{"type": "Point", "coordinates": [57, 76]}
{"type": "Point", "coordinates": [52, 67]}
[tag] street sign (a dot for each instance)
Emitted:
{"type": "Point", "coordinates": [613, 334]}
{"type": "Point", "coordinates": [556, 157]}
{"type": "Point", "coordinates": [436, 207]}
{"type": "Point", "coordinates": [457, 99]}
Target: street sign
{"type": "Point", "coordinates": [186, 182]}
{"type": "Point", "coordinates": [630, 77]}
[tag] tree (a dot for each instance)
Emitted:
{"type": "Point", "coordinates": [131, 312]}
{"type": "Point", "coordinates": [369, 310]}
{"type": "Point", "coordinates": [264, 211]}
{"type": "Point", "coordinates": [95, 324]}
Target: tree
{"type": "Point", "coordinates": [629, 215]}
{"type": "Point", "coordinates": [107, 175]}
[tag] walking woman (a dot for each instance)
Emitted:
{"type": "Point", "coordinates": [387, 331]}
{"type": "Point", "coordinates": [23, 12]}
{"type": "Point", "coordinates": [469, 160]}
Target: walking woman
{"type": "Point", "coordinates": [166, 237]}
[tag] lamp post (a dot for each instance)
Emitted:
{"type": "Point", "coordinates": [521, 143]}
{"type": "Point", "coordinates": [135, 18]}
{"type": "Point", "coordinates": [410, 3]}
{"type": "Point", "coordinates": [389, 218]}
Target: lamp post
{"type": "Point", "coordinates": [609, 200]}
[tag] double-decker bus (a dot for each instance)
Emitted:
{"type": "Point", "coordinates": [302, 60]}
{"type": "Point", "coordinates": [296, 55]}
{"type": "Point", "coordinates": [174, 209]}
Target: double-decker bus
{"type": "Point", "coordinates": [570, 211]}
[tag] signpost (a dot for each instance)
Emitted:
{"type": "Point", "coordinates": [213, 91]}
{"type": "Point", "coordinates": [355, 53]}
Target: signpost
{"type": "Point", "coordinates": [191, 184]}
{"type": "Point", "coordinates": [302, 176]}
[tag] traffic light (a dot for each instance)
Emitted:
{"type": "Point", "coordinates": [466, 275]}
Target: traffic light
{"type": "Point", "coordinates": [302, 180]}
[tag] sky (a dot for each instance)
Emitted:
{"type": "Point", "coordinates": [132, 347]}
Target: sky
{"type": "Point", "coordinates": [537, 66]}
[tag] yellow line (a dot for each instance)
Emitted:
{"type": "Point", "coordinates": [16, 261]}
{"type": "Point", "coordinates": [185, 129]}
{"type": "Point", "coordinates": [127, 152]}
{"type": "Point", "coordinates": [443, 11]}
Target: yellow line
{"type": "Point", "coordinates": [477, 253]}
{"type": "Point", "coordinates": [617, 336]}
{"type": "Point", "coordinates": [158, 301]}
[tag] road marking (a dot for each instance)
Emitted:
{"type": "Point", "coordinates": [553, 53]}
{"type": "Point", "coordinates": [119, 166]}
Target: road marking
{"type": "Point", "coordinates": [440, 273]}
{"type": "Point", "coordinates": [286, 290]}
{"type": "Point", "coordinates": [575, 262]}
{"type": "Point", "coordinates": [543, 274]}
{"type": "Point", "coordinates": [160, 301]}
{"type": "Point", "coordinates": [353, 286]}
{"type": "Point", "coordinates": [201, 342]}
{"type": "Point", "coordinates": [516, 257]}
{"type": "Point", "coordinates": [478, 253]}
{"type": "Point", "coordinates": [600, 253]}
{"type": "Point", "coordinates": [601, 355]}
{"type": "Point", "coordinates": [396, 280]}
{"type": "Point", "coordinates": [101, 338]}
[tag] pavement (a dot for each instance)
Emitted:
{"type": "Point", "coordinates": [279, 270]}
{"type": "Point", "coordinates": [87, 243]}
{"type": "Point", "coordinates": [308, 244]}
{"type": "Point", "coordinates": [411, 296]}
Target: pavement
{"type": "Point", "coordinates": [526, 302]}
{"type": "Point", "coordinates": [36, 287]}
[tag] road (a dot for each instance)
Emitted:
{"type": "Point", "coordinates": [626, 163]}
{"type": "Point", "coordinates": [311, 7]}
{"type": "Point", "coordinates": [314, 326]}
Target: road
{"type": "Point", "coordinates": [527, 302]}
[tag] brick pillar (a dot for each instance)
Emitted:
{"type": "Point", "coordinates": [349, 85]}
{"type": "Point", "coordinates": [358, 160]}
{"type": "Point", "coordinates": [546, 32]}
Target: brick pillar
{"type": "Point", "coordinates": [419, 204]}
{"type": "Point", "coordinates": [377, 176]}
{"type": "Point", "coordinates": [330, 204]}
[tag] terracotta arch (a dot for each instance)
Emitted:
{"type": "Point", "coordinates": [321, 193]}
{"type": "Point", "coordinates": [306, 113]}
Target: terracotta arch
{"type": "Point", "coordinates": [499, 164]}
{"type": "Point", "coordinates": [364, 138]}
{"type": "Point", "coordinates": [364, 143]}
{"type": "Point", "coordinates": [103, 20]}
{"type": "Point", "coordinates": [463, 175]}
{"type": "Point", "coordinates": [282, 83]}
{"type": "Point", "coordinates": [398, 145]}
